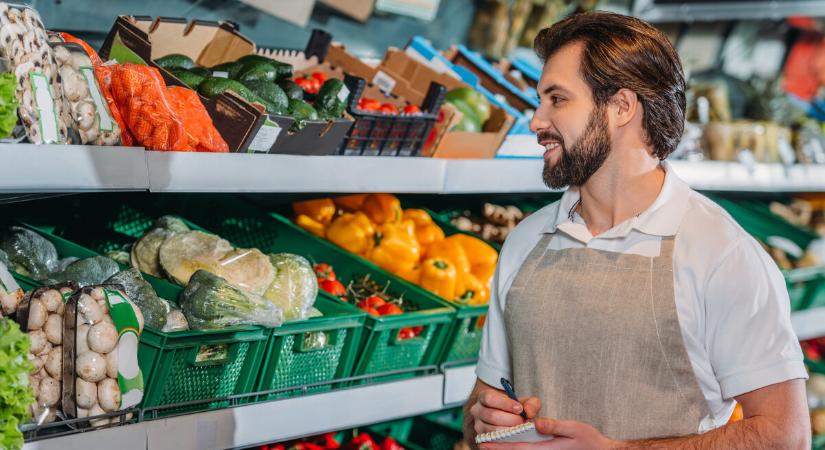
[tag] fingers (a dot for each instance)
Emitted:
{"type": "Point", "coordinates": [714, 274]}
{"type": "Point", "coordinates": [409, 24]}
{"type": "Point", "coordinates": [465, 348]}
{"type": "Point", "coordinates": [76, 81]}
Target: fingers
{"type": "Point", "coordinates": [562, 428]}
{"type": "Point", "coordinates": [532, 406]}
{"type": "Point", "coordinates": [492, 398]}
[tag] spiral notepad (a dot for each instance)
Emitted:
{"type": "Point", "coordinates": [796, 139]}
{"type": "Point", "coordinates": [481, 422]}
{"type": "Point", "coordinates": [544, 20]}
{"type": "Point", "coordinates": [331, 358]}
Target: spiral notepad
{"type": "Point", "coordinates": [525, 432]}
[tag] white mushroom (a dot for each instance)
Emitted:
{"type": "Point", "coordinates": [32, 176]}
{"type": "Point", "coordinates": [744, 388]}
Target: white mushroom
{"type": "Point", "coordinates": [49, 392]}
{"type": "Point", "coordinates": [38, 362]}
{"type": "Point", "coordinates": [65, 291]}
{"type": "Point", "coordinates": [42, 373]}
{"type": "Point", "coordinates": [9, 301]}
{"type": "Point", "coordinates": [74, 85]}
{"type": "Point", "coordinates": [34, 382]}
{"type": "Point", "coordinates": [98, 294]}
{"type": "Point", "coordinates": [91, 366]}
{"type": "Point", "coordinates": [108, 394]}
{"type": "Point", "coordinates": [91, 135]}
{"type": "Point", "coordinates": [51, 299]}
{"type": "Point", "coordinates": [54, 362]}
{"type": "Point", "coordinates": [82, 340]}
{"type": "Point", "coordinates": [89, 308]}
{"type": "Point", "coordinates": [54, 329]}
{"type": "Point", "coordinates": [97, 411]}
{"type": "Point", "coordinates": [102, 337]}
{"type": "Point", "coordinates": [37, 315]}
{"type": "Point", "coordinates": [82, 412]}
{"type": "Point", "coordinates": [38, 341]}
{"type": "Point", "coordinates": [85, 394]}
{"type": "Point", "coordinates": [85, 114]}
{"type": "Point", "coordinates": [61, 54]}
{"type": "Point", "coordinates": [46, 349]}
{"type": "Point", "coordinates": [61, 309]}
{"type": "Point", "coordinates": [111, 364]}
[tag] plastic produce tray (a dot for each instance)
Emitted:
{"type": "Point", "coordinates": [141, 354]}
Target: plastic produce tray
{"type": "Point", "coordinates": [181, 367]}
{"type": "Point", "coordinates": [806, 286]}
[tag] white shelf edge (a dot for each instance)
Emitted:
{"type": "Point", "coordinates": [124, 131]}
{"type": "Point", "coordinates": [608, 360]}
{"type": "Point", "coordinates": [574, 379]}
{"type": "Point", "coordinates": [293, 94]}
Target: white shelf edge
{"type": "Point", "coordinates": [126, 437]}
{"type": "Point", "coordinates": [809, 323]}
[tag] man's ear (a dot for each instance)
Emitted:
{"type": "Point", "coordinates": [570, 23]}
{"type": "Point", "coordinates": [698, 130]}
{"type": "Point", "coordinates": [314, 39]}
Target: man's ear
{"type": "Point", "coordinates": [623, 106]}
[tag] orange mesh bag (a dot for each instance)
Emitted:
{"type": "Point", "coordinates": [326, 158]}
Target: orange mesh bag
{"type": "Point", "coordinates": [140, 94]}
{"type": "Point", "coordinates": [96, 61]}
{"type": "Point", "coordinates": [201, 133]}
{"type": "Point", "coordinates": [103, 73]}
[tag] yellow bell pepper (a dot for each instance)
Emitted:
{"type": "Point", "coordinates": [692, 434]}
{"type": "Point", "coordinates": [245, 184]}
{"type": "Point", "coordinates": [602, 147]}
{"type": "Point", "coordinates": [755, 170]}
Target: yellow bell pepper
{"type": "Point", "coordinates": [350, 203]}
{"type": "Point", "coordinates": [382, 208]}
{"type": "Point", "coordinates": [311, 225]}
{"type": "Point", "coordinates": [353, 232]}
{"type": "Point", "coordinates": [426, 231]}
{"type": "Point", "coordinates": [320, 210]}
{"type": "Point", "coordinates": [438, 276]}
{"type": "Point", "coordinates": [452, 251]}
{"type": "Point", "coordinates": [472, 291]}
{"type": "Point", "coordinates": [396, 249]}
{"type": "Point", "coordinates": [483, 257]}
{"type": "Point", "coordinates": [413, 275]}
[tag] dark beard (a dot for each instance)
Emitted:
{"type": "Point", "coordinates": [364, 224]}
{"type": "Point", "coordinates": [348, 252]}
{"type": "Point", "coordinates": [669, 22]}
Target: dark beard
{"type": "Point", "coordinates": [584, 157]}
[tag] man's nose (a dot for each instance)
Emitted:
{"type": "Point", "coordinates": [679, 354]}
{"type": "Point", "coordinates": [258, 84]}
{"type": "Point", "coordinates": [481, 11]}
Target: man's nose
{"type": "Point", "coordinates": [538, 122]}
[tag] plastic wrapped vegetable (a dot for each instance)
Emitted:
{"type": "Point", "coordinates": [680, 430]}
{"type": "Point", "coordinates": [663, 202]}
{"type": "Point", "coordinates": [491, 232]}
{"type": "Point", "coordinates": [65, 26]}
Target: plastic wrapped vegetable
{"type": "Point", "coordinates": [175, 319]}
{"type": "Point", "coordinates": [10, 291]}
{"type": "Point", "coordinates": [89, 110]}
{"type": "Point", "coordinates": [248, 269]}
{"type": "Point", "coordinates": [144, 254]}
{"type": "Point", "coordinates": [30, 254]}
{"type": "Point", "coordinates": [88, 271]}
{"type": "Point", "coordinates": [209, 302]}
{"type": "Point", "coordinates": [181, 254]}
{"type": "Point", "coordinates": [119, 256]}
{"type": "Point", "coordinates": [8, 104]}
{"type": "Point", "coordinates": [140, 94]}
{"type": "Point", "coordinates": [202, 134]}
{"type": "Point", "coordinates": [295, 287]}
{"type": "Point", "coordinates": [143, 295]}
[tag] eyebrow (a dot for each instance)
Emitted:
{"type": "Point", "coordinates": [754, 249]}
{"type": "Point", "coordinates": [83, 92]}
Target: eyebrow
{"type": "Point", "coordinates": [551, 88]}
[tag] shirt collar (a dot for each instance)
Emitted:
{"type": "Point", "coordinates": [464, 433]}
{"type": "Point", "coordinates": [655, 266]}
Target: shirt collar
{"type": "Point", "coordinates": [662, 218]}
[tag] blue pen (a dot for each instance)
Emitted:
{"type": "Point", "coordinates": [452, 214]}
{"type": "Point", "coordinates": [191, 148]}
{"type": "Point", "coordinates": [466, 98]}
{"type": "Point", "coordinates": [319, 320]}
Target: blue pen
{"type": "Point", "coordinates": [508, 388]}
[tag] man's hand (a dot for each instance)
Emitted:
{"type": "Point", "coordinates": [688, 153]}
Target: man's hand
{"type": "Point", "coordinates": [567, 435]}
{"type": "Point", "coordinates": [490, 409]}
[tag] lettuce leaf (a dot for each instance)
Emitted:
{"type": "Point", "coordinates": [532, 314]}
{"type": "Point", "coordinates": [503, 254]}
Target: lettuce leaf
{"type": "Point", "coordinates": [8, 104]}
{"type": "Point", "coordinates": [15, 392]}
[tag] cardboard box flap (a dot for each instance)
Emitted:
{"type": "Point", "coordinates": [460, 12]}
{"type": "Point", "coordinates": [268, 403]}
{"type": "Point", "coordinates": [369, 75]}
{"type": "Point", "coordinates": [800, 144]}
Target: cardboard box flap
{"type": "Point", "coordinates": [314, 54]}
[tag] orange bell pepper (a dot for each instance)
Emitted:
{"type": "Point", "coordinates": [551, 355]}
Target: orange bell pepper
{"type": "Point", "coordinates": [413, 275]}
{"type": "Point", "coordinates": [483, 257]}
{"type": "Point", "coordinates": [350, 203]}
{"type": "Point", "coordinates": [472, 291]}
{"type": "Point", "coordinates": [426, 231]}
{"type": "Point", "coordinates": [438, 276]}
{"type": "Point", "coordinates": [452, 251]}
{"type": "Point", "coordinates": [320, 210]}
{"type": "Point", "coordinates": [353, 232]}
{"type": "Point", "coordinates": [396, 249]}
{"type": "Point", "coordinates": [382, 208]}
{"type": "Point", "coordinates": [311, 225]}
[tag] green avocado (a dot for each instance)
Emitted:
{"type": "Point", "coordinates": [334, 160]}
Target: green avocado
{"type": "Point", "coordinates": [201, 71]}
{"type": "Point", "coordinates": [189, 77]}
{"type": "Point", "coordinates": [257, 72]}
{"type": "Point", "coordinates": [275, 97]}
{"type": "Point", "coordinates": [293, 91]}
{"type": "Point", "coordinates": [211, 87]}
{"type": "Point", "coordinates": [283, 70]}
{"type": "Point", "coordinates": [175, 60]}
{"type": "Point", "coordinates": [327, 103]}
{"type": "Point", "coordinates": [301, 111]}
{"type": "Point", "coordinates": [472, 98]}
{"type": "Point", "coordinates": [228, 67]}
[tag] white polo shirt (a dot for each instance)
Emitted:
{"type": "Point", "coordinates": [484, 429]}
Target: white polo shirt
{"type": "Point", "coordinates": [731, 299]}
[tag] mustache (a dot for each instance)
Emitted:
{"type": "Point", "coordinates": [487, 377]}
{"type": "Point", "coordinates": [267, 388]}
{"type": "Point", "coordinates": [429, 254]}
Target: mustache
{"type": "Point", "coordinates": [544, 135]}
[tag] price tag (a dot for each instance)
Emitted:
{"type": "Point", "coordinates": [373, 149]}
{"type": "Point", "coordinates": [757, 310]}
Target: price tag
{"type": "Point", "coordinates": [343, 94]}
{"type": "Point", "coordinates": [747, 159]}
{"type": "Point", "coordinates": [45, 107]}
{"type": "Point", "coordinates": [384, 82]}
{"type": "Point", "coordinates": [106, 122]}
{"type": "Point", "coordinates": [266, 137]}
{"type": "Point", "coordinates": [220, 74]}
{"type": "Point", "coordinates": [786, 152]}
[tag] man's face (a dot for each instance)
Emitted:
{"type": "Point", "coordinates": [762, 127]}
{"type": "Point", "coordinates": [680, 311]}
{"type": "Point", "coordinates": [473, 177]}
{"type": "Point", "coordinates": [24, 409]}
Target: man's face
{"type": "Point", "coordinates": [573, 130]}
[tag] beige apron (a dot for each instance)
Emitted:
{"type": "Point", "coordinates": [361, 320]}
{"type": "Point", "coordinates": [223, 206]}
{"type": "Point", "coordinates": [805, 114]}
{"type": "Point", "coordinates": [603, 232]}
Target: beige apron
{"type": "Point", "coordinates": [595, 335]}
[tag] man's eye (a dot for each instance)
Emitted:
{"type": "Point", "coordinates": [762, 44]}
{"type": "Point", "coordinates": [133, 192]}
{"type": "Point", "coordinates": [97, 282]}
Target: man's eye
{"type": "Point", "coordinates": [555, 99]}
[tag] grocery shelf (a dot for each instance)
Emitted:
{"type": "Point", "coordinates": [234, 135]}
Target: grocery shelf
{"type": "Point", "coordinates": [278, 420]}
{"type": "Point", "coordinates": [71, 168]}
{"type": "Point", "coordinates": [809, 323]}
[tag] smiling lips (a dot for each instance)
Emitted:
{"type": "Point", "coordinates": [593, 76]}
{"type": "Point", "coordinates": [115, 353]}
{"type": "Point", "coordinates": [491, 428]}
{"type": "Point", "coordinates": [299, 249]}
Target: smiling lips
{"type": "Point", "coordinates": [550, 147]}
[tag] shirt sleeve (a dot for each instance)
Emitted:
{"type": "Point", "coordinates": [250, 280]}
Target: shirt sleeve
{"type": "Point", "coordinates": [749, 336]}
{"type": "Point", "coordinates": [494, 357]}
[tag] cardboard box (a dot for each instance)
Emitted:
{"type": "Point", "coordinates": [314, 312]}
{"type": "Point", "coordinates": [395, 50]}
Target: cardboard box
{"type": "Point", "coordinates": [411, 79]}
{"type": "Point", "coordinates": [288, 10]}
{"type": "Point", "coordinates": [489, 82]}
{"type": "Point", "coordinates": [245, 127]}
{"type": "Point", "coordinates": [360, 10]}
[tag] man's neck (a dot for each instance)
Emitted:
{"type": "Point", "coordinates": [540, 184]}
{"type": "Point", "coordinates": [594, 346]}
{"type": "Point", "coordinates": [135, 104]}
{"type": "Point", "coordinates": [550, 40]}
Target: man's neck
{"type": "Point", "coordinates": [624, 187]}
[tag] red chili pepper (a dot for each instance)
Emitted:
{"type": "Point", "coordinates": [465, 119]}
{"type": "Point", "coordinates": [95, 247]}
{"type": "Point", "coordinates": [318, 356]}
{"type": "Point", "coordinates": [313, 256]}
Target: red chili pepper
{"type": "Point", "coordinates": [362, 442]}
{"type": "Point", "coordinates": [390, 444]}
{"type": "Point", "coordinates": [324, 272]}
{"type": "Point", "coordinates": [390, 309]}
{"type": "Point", "coordinates": [388, 108]}
{"type": "Point", "coordinates": [411, 109]}
{"type": "Point", "coordinates": [330, 442]}
{"type": "Point", "coordinates": [332, 287]}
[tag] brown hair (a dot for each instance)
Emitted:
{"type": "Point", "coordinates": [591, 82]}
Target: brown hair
{"type": "Point", "coordinates": [625, 52]}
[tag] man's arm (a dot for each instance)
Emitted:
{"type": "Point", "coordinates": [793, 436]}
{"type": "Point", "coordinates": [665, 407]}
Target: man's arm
{"type": "Point", "coordinates": [775, 417]}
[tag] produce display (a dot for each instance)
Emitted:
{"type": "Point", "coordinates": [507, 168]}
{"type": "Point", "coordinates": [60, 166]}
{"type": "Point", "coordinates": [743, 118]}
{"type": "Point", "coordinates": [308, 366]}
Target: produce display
{"type": "Point", "coordinates": [474, 107]}
{"type": "Point", "coordinates": [495, 223]}
{"type": "Point", "coordinates": [404, 242]}
{"type": "Point", "coordinates": [16, 396]}
{"type": "Point", "coordinates": [328, 441]}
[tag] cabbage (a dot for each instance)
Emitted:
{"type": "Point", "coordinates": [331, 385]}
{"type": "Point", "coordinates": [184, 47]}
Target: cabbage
{"type": "Point", "coordinates": [295, 286]}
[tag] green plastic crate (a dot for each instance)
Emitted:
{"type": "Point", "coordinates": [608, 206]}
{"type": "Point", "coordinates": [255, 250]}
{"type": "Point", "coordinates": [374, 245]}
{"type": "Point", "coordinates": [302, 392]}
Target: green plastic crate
{"type": "Point", "coordinates": [806, 286]}
{"type": "Point", "coordinates": [290, 362]}
{"type": "Point", "coordinates": [172, 369]}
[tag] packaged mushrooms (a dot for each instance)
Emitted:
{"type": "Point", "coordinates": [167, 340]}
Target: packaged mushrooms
{"type": "Point", "coordinates": [41, 315]}
{"type": "Point", "coordinates": [101, 373]}
{"type": "Point", "coordinates": [43, 110]}
{"type": "Point", "coordinates": [89, 111]}
{"type": "Point", "coordinates": [10, 292]}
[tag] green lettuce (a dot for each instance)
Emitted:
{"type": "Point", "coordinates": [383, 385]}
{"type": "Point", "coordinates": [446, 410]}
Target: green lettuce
{"type": "Point", "coordinates": [15, 392]}
{"type": "Point", "coordinates": [8, 104]}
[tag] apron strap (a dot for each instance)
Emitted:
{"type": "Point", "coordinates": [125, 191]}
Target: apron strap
{"type": "Point", "coordinates": [665, 259]}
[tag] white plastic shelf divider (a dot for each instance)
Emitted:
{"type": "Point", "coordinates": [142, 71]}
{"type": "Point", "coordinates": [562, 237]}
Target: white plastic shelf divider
{"type": "Point", "coordinates": [734, 177]}
{"type": "Point", "coordinates": [809, 323]}
{"type": "Point", "coordinates": [228, 172]}
{"type": "Point", "coordinates": [126, 437]}
{"type": "Point", "coordinates": [71, 168]}
{"type": "Point", "coordinates": [458, 383]}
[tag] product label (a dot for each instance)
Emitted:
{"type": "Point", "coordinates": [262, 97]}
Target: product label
{"type": "Point", "coordinates": [786, 152]}
{"type": "Point", "coordinates": [220, 74]}
{"type": "Point", "coordinates": [266, 137]}
{"type": "Point", "coordinates": [7, 282]}
{"type": "Point", "coordinates": [747, 159]}
{"type": "Point", "coordinates": [46, 113]}
{"type": "Point", "coordinates": [129, 375]}
{"type": "Point", "coordinates": [343, 94]}
{"type": "Point", "coordinates": [384, 82]}
{"type": "Point", "coordinates": [212, 354]}
{"type": "Point", "coordinates": [104, 119]}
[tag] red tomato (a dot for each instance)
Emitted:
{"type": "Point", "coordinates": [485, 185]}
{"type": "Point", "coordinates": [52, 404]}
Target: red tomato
{"type": "Point", "coordinates": [405, 333]}
{"type": "Point", "coordinates": [388, 108]}
{"type": "Point", "coordinates": [368, 104]}
{"type": "Point", "coordinates": [324, 272]}
{"type": "Point", "coordinates": [332, 287]}
{"type": "Point", "coordinates": [375, 301]}
{"type": "Point", "coordinates": [319, 76]}
{"type": "Point", "coordinates": [418, 330]}
{"type": "Point", "coordinates": [411, 109]}
{"type": "Point", "coordinates": [389, 309]}
{"type": "Point", "coordinates": [390, 444]}
{"type": "Point", "coordinates": [309, 84]}
{"type": "Point", "coordinates": [372, 311]}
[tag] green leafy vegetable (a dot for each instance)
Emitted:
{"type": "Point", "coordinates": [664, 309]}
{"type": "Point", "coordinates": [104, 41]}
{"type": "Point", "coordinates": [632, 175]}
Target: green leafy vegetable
{"type": "Point", "coordinates": [8, 104]}
{"type": "Point", "coordinates": [295, 286]}
{"type": "Point", "coordinates": [209, 303]}
{"type": "Point", "coordinates": [15, 392]}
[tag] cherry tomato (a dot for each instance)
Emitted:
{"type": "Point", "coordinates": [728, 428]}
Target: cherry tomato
{"type": "Point", "coordinates": [319, 76]}
{"type": "Point", "coordinates": [411, 109]}
{"type": "Point", "coordinates": [324, 272]}
{"type": "Point", "coordinates": [418, 330]}
{"type": "Point", "coordinates": [389, 309]}
{"type": "Point", "coordinates": [375, 301]}
{"type": "Point", "coordinates": [388, 108]}
{"type": "Point", "coordinates": [405, 333]}
{"type": "Point", "coordinates": [368, 104]}
{"type": "Point", "coordinates": [332, 287]}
